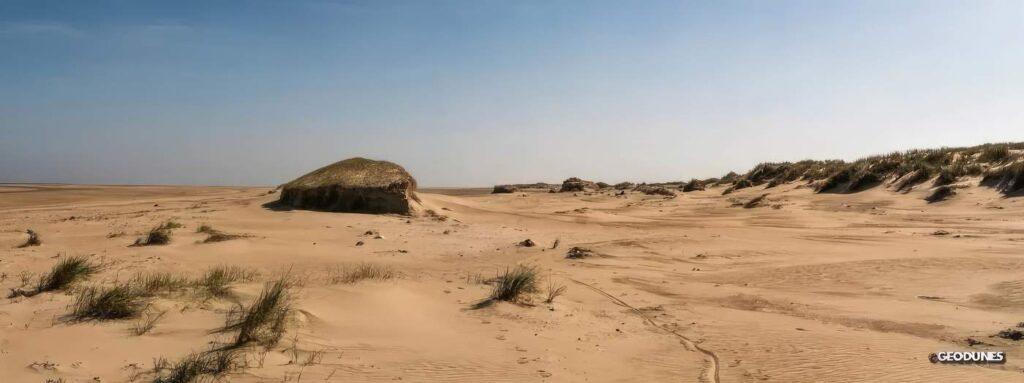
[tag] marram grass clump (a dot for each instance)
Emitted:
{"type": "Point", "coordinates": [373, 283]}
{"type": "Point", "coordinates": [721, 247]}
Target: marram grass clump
{"type": "Point", "coordinates": [61, 276]}
{"type": "Point", "coordinates": [216, 281]}
{"type": "Point", "coordinates": [263, 322]}
{"type": "Point", "coordinates": [513, 285]}
{"type": "Point", "coordinates": [195, 366]}
{"type": "Point", "coordinates": [160, 235]}
{"type": "Point", "coordinates": [105, 303]}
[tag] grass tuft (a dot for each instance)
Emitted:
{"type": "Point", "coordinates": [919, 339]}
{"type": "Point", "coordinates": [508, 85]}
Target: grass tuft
{"type": "Point", "coordinates": [147, 322]}
{"type": "Point", "coordinates": [160, 235]}
{"type": "Point", "coordinates": [160, 283]}
{"type": "Point", "coordinates": [66, 272]}
{"type": "Point", "coordinates": [33, 239]}
{"type": "Point", "coordinates": [554, 291]}
{"type": "Point", "coordinates": [221, 237]}
{"type": "Point", "coordinates": [361, 272]}
{"type": "Point", "coordinates": [105, 303]}
{"type": "Point", "coordinates": [195, 366]}
{"type": "Point", "coordinates": [264, 321]}
{"type": "Point", "coordinates": [214, 235]}
{"type": "Point", "coordinates": [512, 286]}
{"type": "Point", "coordinates": [216, 281]}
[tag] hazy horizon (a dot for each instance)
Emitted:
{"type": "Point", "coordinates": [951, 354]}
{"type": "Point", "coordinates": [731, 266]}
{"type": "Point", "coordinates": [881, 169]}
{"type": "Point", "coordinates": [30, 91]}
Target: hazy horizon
{"type": "Point", "coordinates": [469, 93]}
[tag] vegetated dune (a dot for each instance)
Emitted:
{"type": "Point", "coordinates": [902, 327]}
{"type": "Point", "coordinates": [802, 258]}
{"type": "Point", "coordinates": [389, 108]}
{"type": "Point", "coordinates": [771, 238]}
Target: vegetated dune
{"type": "Point", "coordinates": [826, 277]}
{"type": "Point", "coordinates": [1000, 166]}
{"type": "Point", "coordinates": [354, 185]}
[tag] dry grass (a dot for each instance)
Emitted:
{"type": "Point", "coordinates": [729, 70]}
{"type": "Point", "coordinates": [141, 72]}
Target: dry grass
{"type": "Point", "coordinates": [106, 303]}
{"type": "Point", "coordinates": [160, 235]}
{"type": "Point", "coordinates": [33, 239]}
{"type": "Point", "coordinates": [214, 235]}
{"type": "Point", "coordinates": [554, 291]}
{"type": "Point", "coordinates": [512, 286]}
{"type": "Point", "coordinates": [160, 283]}
{"type": "Point", "coordinates": [361, 272]}
{"type": "Point", "coordinates": [263, 322]}
{"type": "Point", "coordinates": [304, 358]}
{"type": "Point", "coordinates": [195, 366]}
{"type": "Point", "coordinates": [476, 279]}
{"type": "Point", "coordinates": [221, 237]}
{"type": "Point", "coordinates": [154, 238]}
{"type": "Point", "coordinates": [147, 322]}
{"type": "Point", "coordinates": [355, 173]}
{"type": "Point", "coordinates": [66, 272]}
{"type": "Point", "coordinates": [995, 153]}
{"type": "Point", "coordinates": [215, 282]}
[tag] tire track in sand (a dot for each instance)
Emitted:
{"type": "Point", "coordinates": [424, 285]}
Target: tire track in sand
{"type": "Point", "coordinates": [710, 375]}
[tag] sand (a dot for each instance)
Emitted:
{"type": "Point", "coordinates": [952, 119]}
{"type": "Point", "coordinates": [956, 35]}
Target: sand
{"type": "Point", "coordinates": [807, 288]}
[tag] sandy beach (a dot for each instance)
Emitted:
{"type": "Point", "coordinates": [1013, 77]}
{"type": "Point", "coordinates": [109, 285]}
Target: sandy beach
{"type": "Point", "coordinates": [807, 287]}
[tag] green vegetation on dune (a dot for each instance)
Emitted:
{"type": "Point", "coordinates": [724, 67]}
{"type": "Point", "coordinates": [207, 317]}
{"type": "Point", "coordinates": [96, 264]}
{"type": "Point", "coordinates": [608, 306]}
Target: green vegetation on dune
{"type": "Point", "coordinates": [1001, 165]}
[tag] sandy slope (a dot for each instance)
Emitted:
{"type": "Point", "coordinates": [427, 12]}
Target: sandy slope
{"type": "Point", "coordinates": [824, 288]}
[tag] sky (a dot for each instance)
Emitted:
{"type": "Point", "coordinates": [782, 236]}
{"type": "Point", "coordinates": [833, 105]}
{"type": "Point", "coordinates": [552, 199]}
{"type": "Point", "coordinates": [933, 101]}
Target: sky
{"type": "Point", "coordinates": [475, 93]}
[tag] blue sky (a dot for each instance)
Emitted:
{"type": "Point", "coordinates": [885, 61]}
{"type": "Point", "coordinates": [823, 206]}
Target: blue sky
{"type": "Point", "coordinates": [484, 92]}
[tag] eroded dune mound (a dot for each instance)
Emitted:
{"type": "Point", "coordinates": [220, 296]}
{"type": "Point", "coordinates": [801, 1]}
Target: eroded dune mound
{"type": "Point", "coordinates": [357, 185]}
{"type": "Point", "coordinates": [499, 189]}
{"type": "Point", "coordinates": [574, 184]}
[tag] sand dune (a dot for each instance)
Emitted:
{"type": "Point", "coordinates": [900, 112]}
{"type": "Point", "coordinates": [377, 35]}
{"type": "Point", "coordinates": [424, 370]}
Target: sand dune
{"type": "Point", "coordinates": [805, 288]}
